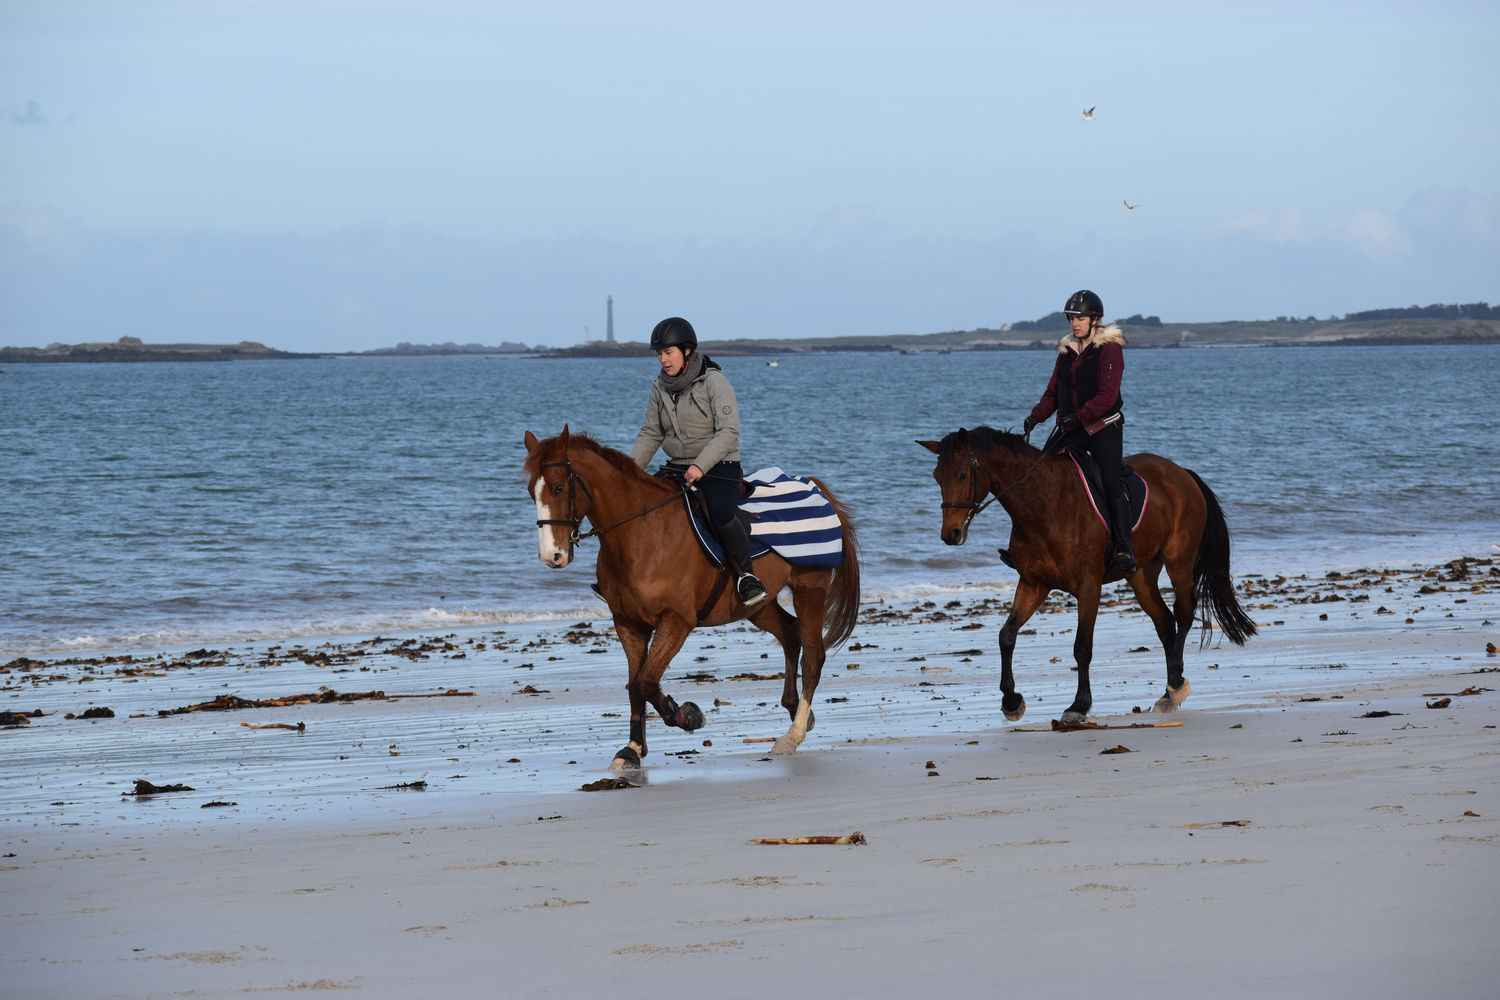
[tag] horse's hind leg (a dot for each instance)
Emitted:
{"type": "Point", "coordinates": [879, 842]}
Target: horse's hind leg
{"type": "Point", "coordinates": [808, 634]}
{"type": "Point", "coordinates": [786, 630]}
{"type": "Point", "coordinates": [1172, 627]}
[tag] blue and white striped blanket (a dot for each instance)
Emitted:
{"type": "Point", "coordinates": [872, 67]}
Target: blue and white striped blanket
{"type": "Point", "coordinates": [791, 515]}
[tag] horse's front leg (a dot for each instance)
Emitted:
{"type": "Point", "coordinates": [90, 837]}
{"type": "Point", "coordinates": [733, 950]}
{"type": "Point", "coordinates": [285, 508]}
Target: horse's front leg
{"type": "Point", "coordinates": [635, 639]}
{"type": "Point", "coordinates": [1083, 654]}
{"type": "Point", "coordinates": [1029, 597]}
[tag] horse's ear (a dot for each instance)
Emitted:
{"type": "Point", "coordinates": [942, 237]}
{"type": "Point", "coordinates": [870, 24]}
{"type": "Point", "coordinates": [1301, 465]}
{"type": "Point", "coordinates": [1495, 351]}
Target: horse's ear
{"type": "Point", "coordinates": [564, 435]}
{"type": "Point", "coordinates": [531, 442]}
{"type": "Point", "coordinates": [931, 446]}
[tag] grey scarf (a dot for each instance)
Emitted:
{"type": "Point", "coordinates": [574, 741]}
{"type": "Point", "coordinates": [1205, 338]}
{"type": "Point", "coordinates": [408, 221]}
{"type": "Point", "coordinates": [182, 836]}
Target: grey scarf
{"type": "Point", "coordinates": [691, 372]}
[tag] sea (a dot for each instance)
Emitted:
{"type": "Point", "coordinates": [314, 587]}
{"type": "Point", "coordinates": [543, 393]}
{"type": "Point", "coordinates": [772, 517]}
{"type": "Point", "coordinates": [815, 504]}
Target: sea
{"type": "Point", "coordinates": [164, 506]}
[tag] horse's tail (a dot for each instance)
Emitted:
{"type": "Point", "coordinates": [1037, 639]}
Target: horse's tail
{"type": "Point", "coordinates": [1213, 587]}
{"type": "Point", "coordinates": [841, 610]}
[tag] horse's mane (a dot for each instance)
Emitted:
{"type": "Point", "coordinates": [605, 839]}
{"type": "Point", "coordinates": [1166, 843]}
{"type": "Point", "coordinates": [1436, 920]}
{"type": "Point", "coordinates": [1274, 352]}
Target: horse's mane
{"type": "Point", "coordinates": [986, 439]}
{"type": "Point", "coordinates": [579, 440]}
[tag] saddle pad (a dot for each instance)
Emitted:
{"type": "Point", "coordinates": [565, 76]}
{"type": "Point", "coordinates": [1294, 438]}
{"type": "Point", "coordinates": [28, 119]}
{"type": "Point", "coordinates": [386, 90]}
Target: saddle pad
{"type": "Point", "coordinates": [791, 515]}
{"type": "Point", "coordinates": [1135, 488]}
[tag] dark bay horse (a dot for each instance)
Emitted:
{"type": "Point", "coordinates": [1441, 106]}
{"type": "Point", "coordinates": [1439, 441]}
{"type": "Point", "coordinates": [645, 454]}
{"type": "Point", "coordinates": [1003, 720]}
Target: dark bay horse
{"type": "Point", "coordinates": [1057, 543]}
{"type": "Point", "coordinates": [659, 585]}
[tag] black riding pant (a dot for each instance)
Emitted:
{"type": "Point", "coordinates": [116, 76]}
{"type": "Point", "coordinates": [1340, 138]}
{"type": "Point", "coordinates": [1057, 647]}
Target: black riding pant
{"type": "Point", "coordinates": [1108, 449]}
{"type": "Point", "coordinates": [720, 487]}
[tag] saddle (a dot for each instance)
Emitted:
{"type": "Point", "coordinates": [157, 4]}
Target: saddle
{"type": "Point", "coordinates": [784, 514]}
{"type": "Point", "coordinates": [1135, 488]}
{"type": "Point", "coordinates": [1088, 471]}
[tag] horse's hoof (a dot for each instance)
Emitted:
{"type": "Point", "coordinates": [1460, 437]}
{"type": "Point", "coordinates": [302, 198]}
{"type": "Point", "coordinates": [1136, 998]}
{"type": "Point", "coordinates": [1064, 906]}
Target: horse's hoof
{"type": "Point", "coordinates": [690, 717]}
{"type": "Point", "coordinates": [1170, 701]}
{"type": "Point", "coordinates": [626, 760]}
{"type": "Point", "coordinates": [1073, 718]}
{"type": "Point", "coordinates": [785, 744]}
{"type": "Point", "coordinates": [1014, 706]}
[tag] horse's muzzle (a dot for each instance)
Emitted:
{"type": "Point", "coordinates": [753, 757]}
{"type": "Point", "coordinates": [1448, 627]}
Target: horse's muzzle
{"type": "Point", "coordinates": [955, 536]}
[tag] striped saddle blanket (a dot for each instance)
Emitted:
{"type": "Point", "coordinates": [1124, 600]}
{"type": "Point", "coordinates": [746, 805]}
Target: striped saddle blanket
{"type": "Point", "coordinates": [787, 514]}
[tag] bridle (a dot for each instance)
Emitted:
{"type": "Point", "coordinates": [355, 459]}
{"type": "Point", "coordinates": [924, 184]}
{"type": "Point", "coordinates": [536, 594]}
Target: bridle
{"type": "Point", "coordinates": [574, 521]}
{"type": "Point", "coordinates": [976, 501]}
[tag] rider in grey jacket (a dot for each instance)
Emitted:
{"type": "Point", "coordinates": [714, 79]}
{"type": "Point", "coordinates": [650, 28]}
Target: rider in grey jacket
{"type": "Point", "coordinates": [691, 414]}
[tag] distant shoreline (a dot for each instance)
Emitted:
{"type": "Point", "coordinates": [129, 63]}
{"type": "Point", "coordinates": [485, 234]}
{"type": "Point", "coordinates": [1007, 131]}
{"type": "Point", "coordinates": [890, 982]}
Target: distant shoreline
{"type": "Point", "coordinates": [1259, 333]}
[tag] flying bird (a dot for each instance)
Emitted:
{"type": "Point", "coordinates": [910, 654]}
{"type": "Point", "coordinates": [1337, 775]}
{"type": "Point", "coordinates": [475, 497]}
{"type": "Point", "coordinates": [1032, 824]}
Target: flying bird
{"type": "Point", "coordinates": [1128, 206]}
{"type": "Point", "coordinates": [1088, 114]}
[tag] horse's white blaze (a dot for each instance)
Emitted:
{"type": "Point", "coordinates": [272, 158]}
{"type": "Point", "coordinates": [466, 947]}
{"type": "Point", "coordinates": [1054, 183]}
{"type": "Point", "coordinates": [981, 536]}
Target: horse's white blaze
{"type": "Point", "coordinates": [789, 741]}
{"type": "Point", "coordinates": [548, 549]}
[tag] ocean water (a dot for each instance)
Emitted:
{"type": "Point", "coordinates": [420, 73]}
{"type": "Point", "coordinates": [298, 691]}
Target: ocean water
{"type": "Point", "coordinates": [168, 505]}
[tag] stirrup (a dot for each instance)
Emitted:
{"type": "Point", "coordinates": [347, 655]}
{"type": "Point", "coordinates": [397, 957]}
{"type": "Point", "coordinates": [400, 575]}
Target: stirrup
{"type": "Point", "coordinates": [1122, 559]}
{"type": "Point", "coordinates": [749, 590]}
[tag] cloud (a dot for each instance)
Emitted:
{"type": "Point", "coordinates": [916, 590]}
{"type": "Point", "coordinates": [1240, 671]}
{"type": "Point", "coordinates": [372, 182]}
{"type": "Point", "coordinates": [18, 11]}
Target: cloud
{"type": "Point", "coordinates": [1374, 234]}
{"type": "Point", "coordinates": [30, 113]}
{"type": "Point", "coordinates": [1285, 226]}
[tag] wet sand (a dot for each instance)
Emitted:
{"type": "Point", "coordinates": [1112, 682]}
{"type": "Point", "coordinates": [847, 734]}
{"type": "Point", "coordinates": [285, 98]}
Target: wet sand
{"type": "Point", "coordinates": [409, 820]}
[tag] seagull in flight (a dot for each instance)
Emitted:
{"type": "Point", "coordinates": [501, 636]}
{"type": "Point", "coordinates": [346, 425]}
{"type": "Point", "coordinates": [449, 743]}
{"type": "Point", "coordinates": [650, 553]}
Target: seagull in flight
{"type": "Point", "coordinates": [1088, 114]}
{"type": "Point", "coordinates": [1128, 206]}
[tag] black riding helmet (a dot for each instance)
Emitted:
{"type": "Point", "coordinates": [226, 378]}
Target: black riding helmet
{"type": "Point", "coordinates": [673, 332]}
{"type": "Point", "coordinates": [1084, 303]}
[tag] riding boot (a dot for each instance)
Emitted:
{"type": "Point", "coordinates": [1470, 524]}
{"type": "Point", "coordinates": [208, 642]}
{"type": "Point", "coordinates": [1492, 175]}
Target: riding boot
{"type": "Point", "coordinates": [736, 542]}
{"type": "Point", "coordinates": [1122, 554]}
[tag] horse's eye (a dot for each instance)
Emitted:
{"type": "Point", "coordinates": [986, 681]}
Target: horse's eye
{"type": "Point", "coordinates": [962, 476]}
{"type": "Point", "coordinates": [557, 490]}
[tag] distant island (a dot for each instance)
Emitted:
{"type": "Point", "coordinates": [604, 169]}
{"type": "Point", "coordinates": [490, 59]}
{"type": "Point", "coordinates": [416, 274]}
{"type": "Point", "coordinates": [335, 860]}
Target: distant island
{"type": "Point", "coordinates": [1475, 323]}
{"type": "Point", "coordinates": [134, 349]}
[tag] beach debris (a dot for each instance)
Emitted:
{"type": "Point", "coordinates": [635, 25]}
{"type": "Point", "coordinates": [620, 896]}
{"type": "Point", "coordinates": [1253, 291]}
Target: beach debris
{"type": "Point", "coordinates": [1440, 703]}
{"type": "Point", "coordinates": [760, 739]}
{"type": "Point", "coordinates": [231, 702]}
{"type": "Point", "coordinates": [1467, 692]}
{"type": "Point", "coordinates": [294, 726]}
{"type": "Point", "coordinates": [1059, 726]}
{"type": "Point", "coordinates": [1117, 749]}
{"type": "Point", "coordinates": [1470, 812]}
{"type": "Point", "coordinates": [405, 786]}
{"type": "Point", "coordinates": [14, 720]}
{"type": "Point", "coordinates": [1221, 823]}
{"type": "Point", "coordinates": [1380, 714]}
{"type": "Point", "coordinates": [853, 838]}
{"type": "Point", "coordinates": [216, 804]}
{"type": "Point", "coordinates": [450, 693]}
{"type": "Point", "coordinates": [97, 712]}
{"type": "Point", "coordinates": [606, 785]}
{"type": "Point", "coordinates": [144, 787]}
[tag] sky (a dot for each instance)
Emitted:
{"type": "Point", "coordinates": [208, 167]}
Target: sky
{"type": "Point", "coordinates": [331, 175]}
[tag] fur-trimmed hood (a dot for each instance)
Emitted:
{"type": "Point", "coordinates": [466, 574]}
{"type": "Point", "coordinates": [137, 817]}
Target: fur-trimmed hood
{"type": "Point", "coordinates": [1105, 335]}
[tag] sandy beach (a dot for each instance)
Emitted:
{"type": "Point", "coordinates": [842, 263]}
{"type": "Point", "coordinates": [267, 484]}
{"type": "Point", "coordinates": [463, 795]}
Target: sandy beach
{"type": "Point", "coordinates": [1325, 820]}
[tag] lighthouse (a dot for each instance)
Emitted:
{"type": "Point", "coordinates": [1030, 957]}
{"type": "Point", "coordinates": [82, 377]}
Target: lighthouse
{"type": "Point", "coordinates": [609, 319]}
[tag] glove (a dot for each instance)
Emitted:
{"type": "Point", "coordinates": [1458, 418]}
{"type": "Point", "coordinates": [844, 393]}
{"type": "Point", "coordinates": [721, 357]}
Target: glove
{"type": "Point", "coordinates": [1070, 423]}
{"type": "Point", "coordinates": [1029, 424]}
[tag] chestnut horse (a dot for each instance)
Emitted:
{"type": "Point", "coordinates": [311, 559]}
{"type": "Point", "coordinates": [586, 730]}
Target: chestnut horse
{"type": "Point", "coordinates": [659, 584]}
{"type": "Point", "coordinates": [1057, 542]}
